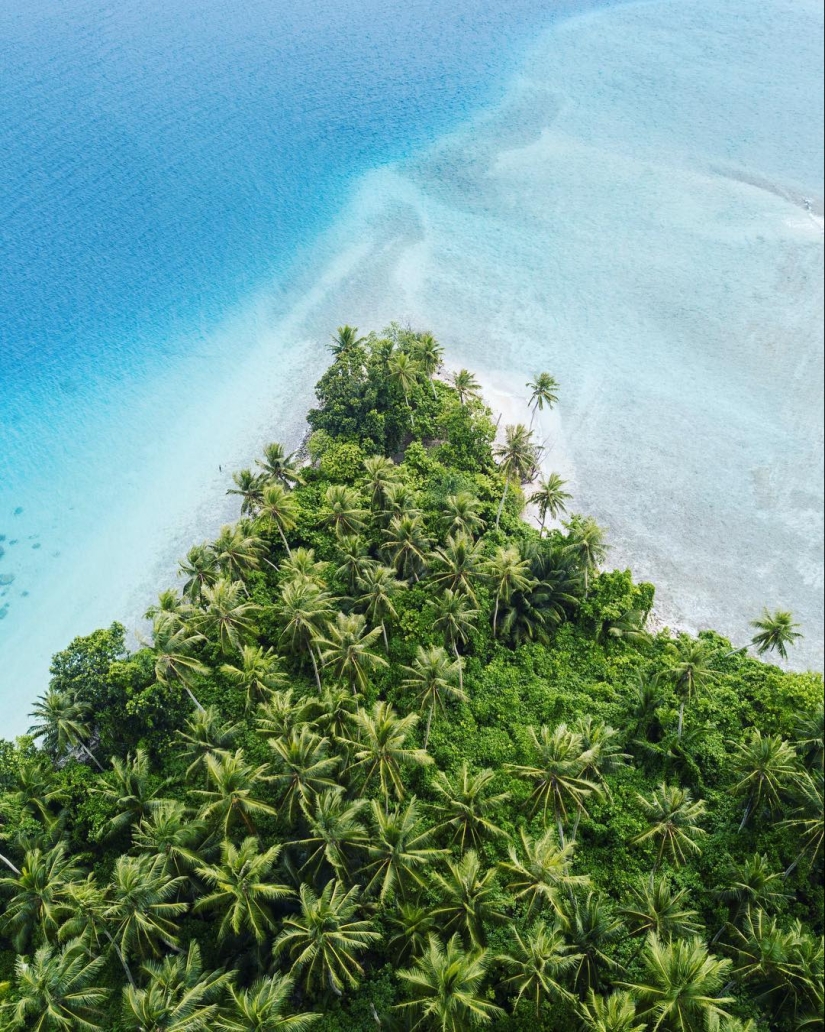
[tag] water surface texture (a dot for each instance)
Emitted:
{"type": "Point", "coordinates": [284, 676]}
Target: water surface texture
{"type": "Point", "coordinates": [190, 198]}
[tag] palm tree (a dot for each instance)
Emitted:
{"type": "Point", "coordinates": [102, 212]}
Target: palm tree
{"type": "Point", "coordinates": [399, 500]}
{"type": "Point", "coordinates": [279, 509]}
{"type": "Point", "coordinates": [413, 923]}
{"type": "Point", "coordinates": [403, 371]}
{"type": "Point", "coordinates": [556, 773]}
{"type": "Point", "coordinates": [766, 767]}
{"type": "Point", "coordinates": [518, 457]}
{"type": "Point", "coordinates": [170, 832]}
{"type": "Point", "coordinates": [455, 618]}
{"type": "Point", "coordinates": [324, 940]}
{"type": "Point", "coordinates": [656, 907]}
{"type": "Point", "coordinates": [345, 340]}
{"type": "Point", "coordinates": [242, 888]}
{"type": "Point", "coordinates": [751, 884]}
{"type": "Point", "coordinates": [257, 675]}
{"type": "Point", "coordinates": [692, 673]}
{"type": "Point", "coordinates": [682, 985]}
{"type": "Point", "coordinates": [302, 767]}
{"type": "Point", "coordinates": [544, 871]}
{"type": "Point", "coordinates": [447, 987]}
{"type": "Point", "coordinates": [378, 587]}
{"type": "Point", "coordinates": [234, 792]}
{"type": "Point", "coordinates": [468, 807]}
{"type": "Point", "coordinates": [64, 725]}
{"type": "Point", "coordinates": [592, 928]}
{"type": "Point", "coordinates": [774, 632]}
{"type": "Point", "coordinates": [348, 650]}
{"type": "Point", "coordinates": [398, 849]}
{"type": "Point", "coordinates": [129, 790]}
{"type": "Point", "coordinates": [230, 617]}
{"type": "Point", "coordinates": [806, 819]}
{"type": "Point", "coordinates": [544, 391]}
{"type": "Point", "coordinates": [174, 661]}
{"type": "Point", "coordinates": [205, 732]}
{"type": "Point", "coordinates": [200, 568]}
{"type": "Point", "coordinates": [673, 817]}
{"type": "Point", "coordinates": [509, 573]}
{"type": "Point", "coordinates": [336, 832]}
{"type": "Point", "coordinates": [249, 486]}
{"type": "Point", "coordinates": [302, 565]}
{"type": "Point", "coordinates": [356, 560]}
{"type": "Point", "coordinates": [342, 510]}
{"type": "Point", "coordinates": [428, 353]}
{"type": "Point", "coordinates": [36, 792]}
{"type": "Point", "coordinates": [461, 514]}
{"type": "Point", "coordinates": [381, 746]}
{"type": "Point", "coordinates": [335, 712]}
{"type": "Point", "coordinates": [466, 386]}
{"type": "Point", "coordinates": [550, 498]}
{"type": "Point", "coordinates": [56, 991]}
{"type": "Point", "coordinates": [432, 676]}
{"type": "Point", "coordinates": [381, 472]}
{"type": "Point", "coordinates": [406, 544]}
{"type": "Point", "coordinates": [179, 996]}
{"type": "Point", "coordinates": [141, 909]}
{"type": "Point", "coordinates": [40, 897]}
{"type": "Point", "coordinates": [469, 897]}
{"type": "Point", "coordinates": [238, 551]}
{"type": "Point", "coordinates": [458, 564]}
{"type": "Point", "coordinates": [261, 1008]}
{"type": "Point", "coordinates": [303, 610]}
{"type": "Point", "coordinates": [282, 713]}
{"type": "Point", "coordinates": [280, 468]}
{"type": "Point", "coordinates": [539, 960]}
{"type": "Point", "coordinates": [585, 543]}
{"type": "Point", "coordinates": [613, 1013]}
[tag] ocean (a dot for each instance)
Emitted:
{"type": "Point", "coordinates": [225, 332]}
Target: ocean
{"type": "Point", "coordinates": [193, 197]}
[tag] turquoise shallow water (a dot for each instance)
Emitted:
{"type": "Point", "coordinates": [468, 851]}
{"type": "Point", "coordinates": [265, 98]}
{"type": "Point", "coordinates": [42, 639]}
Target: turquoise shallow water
{"type": "Point", "coordinates": [631, 197]}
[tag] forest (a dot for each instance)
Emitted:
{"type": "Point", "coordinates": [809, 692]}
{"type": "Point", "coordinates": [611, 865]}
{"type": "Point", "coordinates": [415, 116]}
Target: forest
{"type": "Point", "coordinates": [401, 751]}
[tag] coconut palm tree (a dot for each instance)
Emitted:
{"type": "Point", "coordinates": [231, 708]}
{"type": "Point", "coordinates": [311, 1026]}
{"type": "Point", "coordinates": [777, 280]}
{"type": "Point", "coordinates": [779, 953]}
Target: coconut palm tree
{"type": "Point", "coordinates": [751, 884]}
{"type": "Point", "coordinates": [544, 390]}
{"type": "Point", "coordinates": [141, 909]}
{"type": "Point", "coordinates": [377, 587]}
{"type": "Point", "coordinates": [428, 353]}
{"type": "Point", "coordinates": [693, 672]}
{"type": "Point", "coordinates": [178, 609]}
{"type": "Point", "coordinates": [257, 675]}
{"type": "Point", "coordinates": [205, 732]}
{"type": "Point", "coordinates": [230, 616]}
{"type": "Point", "coordinates": [556, 773]}
{"type": "Point", "coordinates": [279, 467]}
{"type": "Point", "coordinates": [613, 1013]}
{"type": "Point", "coordinates": [302, 565]}
{"type": "Point", "coordinates": [468, 897]}
{"type": "Point", "coordinates": [64, 725]}
{"type": "Point", "coordinates": [468, 807]}
{"type": "Point", "coordinates": [403, 372]}
{"type": "Point", "coordinates": [550, 498]}
{"type": "Point", "coordinates": [381, 473]}
{"type": "Point", "coordinates": [261, 1008]}
{"type": "Point", "coordinates": [682, 985]}
{"type": "Point", "coordinates": [508, 573]}
{"type": "Point", "coordinates": [234, 792]}
{"type": "Point", "coordinates": [178, 997]}
{"type": "Point", "coordinates": [279, 510]}
{"type": "Point", "coordinates": [592, 929]}
{"type": "Point", "coordinates": [36, 793]}
{"type": "Point", "coordinates": [282, 713]}
{"type": "Point", "coordinates": [335, 712]}
{"type": "Point", "coordinates": [174, 660]}
{"type": "Point", "coordinates": [398, 851]}
{"type": "Point", "coordinates": [399, 500]}
{"type": "Point", "coordinates": [455, 618]}
{"type": "Point", "coordinates": [466, 386]}
{"type": "Point", "coordinates": [249, 487]}
{"type": "Point", "coordinates": [406, 545]}
{"type": "Point", "coordinates": [242, 888]}
{"type": "Point", "coordinates": [774, 632]}
{"type": "Point", "coordinates": [673, 817]}
{"type": "Point", "coordinates": [806, 820]}
{"type": "Point", "coordinates": [518, 457]}
{"type": "Point", "coordinates": [356, 560]}
{"type": "Point", "coordinates": [303, 610]}
{"type": "Point", "coordinates": [336, 831]}
{"type": "Point", "coordinates": [342, 510]}
{"type": "Point", "coordinates": [380, 747]}
{"type": "Point", "coordinates": [129, 790]}
{"type": "Point", "coordinates": [412, 924]}
{"type": "Point", "coordinates": [56, 992]}
{"type": "Point", "coordinates": [323, 941]}
{"type": "Point", "coordinates": [543, 872]}
{"type": "Point", "coordinates": [539, 960]}
{"type": "Point", "coordinates": [345, 340]}
{"type": "Point", "coordinates": [347, 650]}
{"type": "Point", "coordinates": [766, 768]}
{"type": "Point", "coordinates": [461, 514]}
{"type": "Point", "coordinates": [200, 568]}
{"type": "Point", "coordinates": [458, 564]}
{"type": "Point", "coordinates": [40, 899]}
{"type": "Point", "coordinates": [171, 832]}
{"type": "Point", "coordinates": [655, 906]}
{"type": "Point", "coordinates": [447, 987]}
{"type": "Point", "coordinates": [238, 551]}
{"type": "Point", "coordinates": [302, 767]}
{"type": "Point", "coordinates": [586, 545]}
{"type": "Point", "coordinates": [432, 676]}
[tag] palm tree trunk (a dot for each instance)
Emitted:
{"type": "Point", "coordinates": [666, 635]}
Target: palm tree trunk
{"type": "Point", "coordinates": [543, 521]}
{"type": "Point", "coordinates": [188, 691]}
{"type": "Point", "coordinates": [495, 614]}
{"type": "Point", "coordinates": [681, 718]}
{"type": "Point", "coordinates": [786, 874]}
{"type": "Point", "coordinates": [120, 957]}
{"type": "Point", "coordinates": [745, 815]}
{"type": "Point", "coordinates": [501, 503]}
{"type": "Point", "coordinates": [91, 756]}
{"type": "Point", "coordinates": [429, 722]}
{"type": "Point", "coordinates": [386, 639]}
{"type": "Point", "coordinates": [460, 668]}
{"type": "Point", "coordinates": [286, 543]}
{"type": "Point", "coordinates": [576, 824]}
{"type": "Point", "coordinates": [560, 827]}
{"type": "Point", "coordinates": [315, 668]}
{"type": "Point", "coordinates": [10, 865]}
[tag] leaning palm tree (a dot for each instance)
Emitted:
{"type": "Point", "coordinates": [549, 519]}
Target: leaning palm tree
{"type": "Point", "coordinates": [171, 832]}
{"type": "Point", "coordinates": [380, 747]}
{"type": "Point", "coordinates": [200, 568]}
{"type": "Point", "coordinates": [655, 906]}
{"type": "Point", "coordinates": [347, 650]}
{"type": "Point", "coordinates": [613, 1013]}
{"type": "Point", "coordinates": [692, 673]}
{"type": "Point", "coordinates": [336, 832]}
{"type": "Point", "coordinates": [355, 561]}
{"type": "Point", "coordinates": [585, 544]}
{"type": "Point", "coordinates": [175, 662]}
{"type": "Point", "coordinates": [234, 792]}
{"type": "Point", "coordinates": [539, 960]}
{"type": "Point", "coordinates": [455, 618]}
{"type": "Point", "coordinates": [301, 565]}
{"type": "Point", "coordinates": [774, 632]}
{"type": "Point", "coordinates": [249, 487]}
{"type": "Point", "coordinates": [468, 896]}
{"type": "Point", "coordinates": [279, 467]}
{"type": "Point", "coordinates": [542, 871]}
{"type": "Point", "coordinates": [766, 767]}
{"type": "Point", "coordinates": [40, 897]}
{"type": "Point", "coordinates": [242, 889]}
{"type": "Point", "coordinates": [377, 588]}
{"type": "Point", "coordinates": [279, 510]}
{"type": "Point", "coordinates": [682, 988]}
{"type": "Point", "coordinates": [466, 386]}
{"type": "Point", "coordinates": [432, 676]}
{"type": "Point", "coordinates": [544, 390]}
{"type": "Point", "coordinates": [752, 883]}
{"type": "Point", "coordinates": [509, 573]}
{"type": "Point", "coordinates": [404, 371]}
{"type": "Point", "coordinates": [64, 725]}
{"type": "Point", "coordinates": [263, 1008]}
{"type": "Point", "coordinates": [257, 675]}
{"type": "Point", "coordinates": [345, 340]}
{"type": "Point", "coordinates": [428, 353]}
{"type": "Point", "coordinates": [56, 991]}
{"type": "Point", "coordinates": [323, 941]}
{"type": "Point", "coordinates": [447, 987]}
{"type": "Point", "coordinates": [128, 791]}
{"type": "Point", "coordinates": [550, 498]}
{"type": "Point", "coordinates": [302, 767]}
{"type": "Point", "coordinates": [142, 910]}
{"type": "Point", "coordinates": [399, 851]}
{"type": "Point", "coordinates": [593, 929]}
{"type": "Point", "coordinates": [467, 807]}
{"type": "Point", "coordinates": [303, 610]}
{"type": "Point", "coordinates": [673, 821]}
{"type": "Point", "coordinates": [518, 457]}
{"type": "Point", "coordinates": [411, 923]}
{"type": "Point", "coordinates": [238, 551]}
{"type": "Point", "coordinates": [229, 618]}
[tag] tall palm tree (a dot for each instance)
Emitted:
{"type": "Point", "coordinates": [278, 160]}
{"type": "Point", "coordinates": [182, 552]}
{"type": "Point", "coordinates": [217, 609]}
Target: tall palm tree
{"type": "Point", "coordinates": [238, 551]}
{"type": "Point", "coordinates": [550, 498]}
{"type": "Point", "coordinates": [257, 675]}
{"type": "Point", "coordinates": [509, 573]}
{"type": "Point", "coordinates": [406, 545]}
{"type": "Point", "coordinates": [342, 510]}
{"type": "Point", "coordinates": [398, 851]}
{"type": "Point", "coordinates": [399, 500]}
{"type": "Point", "coordinates": [544, 390]}
{"type": "Point", "coordinates": [280, 467]}
{"type": "Point", "coordinates": [613, 1013]}
{"type": "Point", "coordinates": [404, 371]}
{"type": "Point", "coordinates": [303, 610]}
{"type": "Point", "coordinates": [301, 565]}
{"type": "Point", "coordinates": [56, 991]}
{"type": "Point", "coordinates": [279, 510]}
{"type": "Point", "coordinates": [249, 487]}
{"type": "Point", "coordinates": [447, 987]}
{"type": "Point", "coordinates": [539, 960]}
{"type": "Point", "coordinates": [205, 732]}
{"type": "Point", "coordinates": [455, 618]}
{"type": "Point", "coordinates": [774, 632]}
{"type": "Point", "coordinates": [593, 929]}
{"type": "Point", "coordinates": [345, 340]}
{"type": "Point", "coordinates": [377, 587]}
{"type": "Point", "coordinates": [518, 457]}
{"type": "Point", "coordinates": [381, 748]}
{"type": "Point", "coordinates": [466, 386]}
{"type": "Point", "coordinates": [806, 819]}
{"type": "Point", "coordinates": [752, 883]}
{"type": "Point", "coordinates": [169, 831]}
{"type": "Point", "coordinates": [655, 906]}
{"type": "Point", "coordinates": [141, 910]}
{"type": "Point", "coordinates": [37, 794]}
{"type": "Point", "coordinates": [458, 564]}
{"type": "Point", "coordinates": [468, 897]}
{"type": "Point", "coordinates": [766, 767]}
{"type": "Point", "coordinates": [543, 872]}
{"type": "Point", "coordinates": [347, 650]}
{"type": "Point", "coordinates": [261, 1008]}
{"type": "Point", "coordinates": [428, 353]}
{"type": "Point", "coordinates": [381, 473]}
{"type": "Point", "coordinates": [200, 568]}
{"type": "Point", "coordinates": [467, 806]}
{"type": "Point", "coordinates": [355, 562]}
{"type": "Point", "coordinates": [41, 898]}
{"type": "Point", "coordinates": [336, 831]}
{"type": "Point", "coordinates": [129, 790]}
{"type": "Point", "coordinates": [174, 660]}
{"type": "Point", "coordinates": [302, 767]}
{"type": "Point", "coordinates": [673, 817]}
{"type": "Point", "coordinates": [693, 672]}
{"type": "Point", "coordinates": [323, 941]}
{"type": "Point", "coordinates": [64, 725]}
{"type": "Point", "coordinates": [682, 985]}
{"type": "Point", "coordinates": [242, 888]}
{"type": "Point", "coordinates": [585, 544]}
{"type": "Point", "coordinates": [809, 739]}
{"type": "Point", "coordinates": [461, 514]}
{"type": "Point", "coordinates": [432, 676]}
{"type": "Point", "coordinates": [234, 792]}
{"type": "Point", "coordinates": [230, 616]}
{"type": "Point", "coordinates": [412, 924]}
